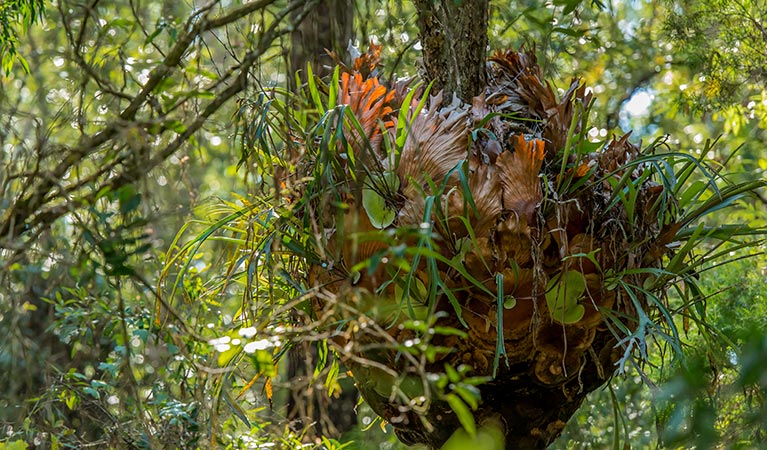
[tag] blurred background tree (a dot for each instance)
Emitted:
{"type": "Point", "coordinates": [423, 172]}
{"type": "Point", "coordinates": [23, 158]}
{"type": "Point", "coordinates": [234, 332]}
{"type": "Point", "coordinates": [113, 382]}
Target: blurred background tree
{"type": "Point", "coordinates": [118, 130]}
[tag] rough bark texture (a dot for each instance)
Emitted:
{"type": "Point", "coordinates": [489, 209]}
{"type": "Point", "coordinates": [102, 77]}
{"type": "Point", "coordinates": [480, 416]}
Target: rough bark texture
{"type": "Point", "coordinates": [454, 39]}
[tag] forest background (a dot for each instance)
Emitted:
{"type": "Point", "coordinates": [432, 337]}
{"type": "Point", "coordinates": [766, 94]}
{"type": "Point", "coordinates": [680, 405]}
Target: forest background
{"type": "Point", "coordinates": [121, 143]}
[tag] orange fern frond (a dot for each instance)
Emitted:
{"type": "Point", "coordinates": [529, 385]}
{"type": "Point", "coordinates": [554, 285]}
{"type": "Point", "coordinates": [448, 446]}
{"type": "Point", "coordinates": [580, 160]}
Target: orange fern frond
{"type": "Point", "coordinates": [368, 62]}
{"type": "Point", "coordinates": [370, 103]}
{"type": "Point", "coordinates": [519, 177]}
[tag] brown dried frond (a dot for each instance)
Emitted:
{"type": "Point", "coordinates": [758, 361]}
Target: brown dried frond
{"type": "Point", "coordinates": [367, 64]}
{"type": "Point", "coordinates": [618, 153]}
{"type": "Point", "coordinates": [485, 186]}
{"type": "Point", "coordinates": [512, 63]}
{"type": "Point", "coordinates": [402, 89]}
{"type": "Point", "coordinates": [516, 85]}
{"type": "Point", "coordinates": [560, 116]}
{"type": "Point", "coordinates": [436, 143]}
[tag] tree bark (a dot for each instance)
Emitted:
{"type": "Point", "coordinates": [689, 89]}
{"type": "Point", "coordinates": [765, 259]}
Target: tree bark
{"type": "Point", "coordinates": [330, 26]}
{"type": "Point", "coordinates": [454, 39]}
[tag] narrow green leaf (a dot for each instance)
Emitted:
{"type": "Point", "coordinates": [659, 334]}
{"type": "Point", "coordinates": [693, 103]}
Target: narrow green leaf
{"type": "Point", "coordinates": [468, 393]}
{"type": "Point", "coordinates": [333, 89]}
{"type": "Point", "coordinates": [463, 413]}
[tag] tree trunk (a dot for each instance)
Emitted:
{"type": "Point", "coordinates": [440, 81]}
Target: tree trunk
{"type": "Point", "coordinates": [454, 39]}
{"type": "Point", "coordinates": [328, 27]}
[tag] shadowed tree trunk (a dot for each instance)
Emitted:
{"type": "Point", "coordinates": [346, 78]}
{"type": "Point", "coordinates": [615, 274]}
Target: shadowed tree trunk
{"type": "Point", "coordinates": [329, 28]}
{"type": "Point", "coordinates": [454, 39]}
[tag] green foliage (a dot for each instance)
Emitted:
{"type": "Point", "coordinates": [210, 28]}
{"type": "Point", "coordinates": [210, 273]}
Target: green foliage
{"type": "Point", "coordinates": [118, 333]}
{"type": "Point", "coordinates": [105, 148]}
{"type": "Point", "coordinates": [16, 18]}
{"type": "Point", "coordinates": [488, 437]}
{"type": "Point", "coordinates": [723, 43]}
{"type": "Point", "coordinates": [715, 398]}
{"type": "Point", "coordinates": [13, 445]}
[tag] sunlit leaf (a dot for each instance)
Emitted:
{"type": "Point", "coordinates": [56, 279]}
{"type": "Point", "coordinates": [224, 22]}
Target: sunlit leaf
{"type": "Point", "coordinates": [562, 294]}
{"type": "Point", "coordinates": [379, 211]}
{"type": "Point", "coordinates": [465, 417]}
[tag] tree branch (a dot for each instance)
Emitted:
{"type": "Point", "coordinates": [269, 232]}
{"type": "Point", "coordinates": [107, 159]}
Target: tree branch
{"type": "Point", "coordinates": [30, 212]}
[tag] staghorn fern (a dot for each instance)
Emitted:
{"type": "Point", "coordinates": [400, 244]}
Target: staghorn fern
{"type": "Point", "coordinates": [469, 263]}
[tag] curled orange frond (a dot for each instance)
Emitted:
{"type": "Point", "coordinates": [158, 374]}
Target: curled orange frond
{"type": "Point", "coordinates": [370, 103]}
